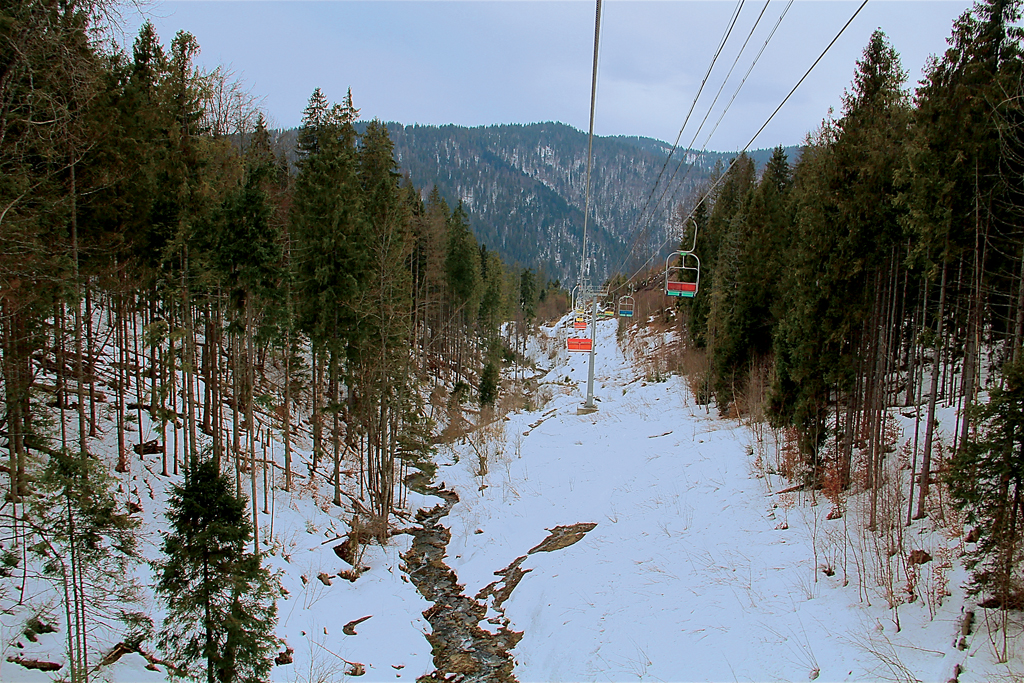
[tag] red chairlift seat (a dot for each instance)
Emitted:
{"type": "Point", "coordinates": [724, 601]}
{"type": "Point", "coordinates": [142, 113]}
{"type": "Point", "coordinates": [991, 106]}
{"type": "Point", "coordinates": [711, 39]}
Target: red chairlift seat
{"type": "Point", "coordinates": [681, 288]}
{"type": "Point", "coordinates": [579, 344]}
{"type": "Point", "coordinates": [689, 265]}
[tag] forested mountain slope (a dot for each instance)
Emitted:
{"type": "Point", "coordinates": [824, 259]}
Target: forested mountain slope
{"type": "Point", "coordinates": [523, 188]}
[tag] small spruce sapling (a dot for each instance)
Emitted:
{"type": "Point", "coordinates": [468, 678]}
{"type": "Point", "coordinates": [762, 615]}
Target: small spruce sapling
{"type": "Point", "coordinates": [221, 603]}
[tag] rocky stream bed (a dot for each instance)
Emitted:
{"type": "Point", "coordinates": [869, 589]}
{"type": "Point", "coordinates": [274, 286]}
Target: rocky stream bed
{"type": "Point", "coordinates": [462, 650]}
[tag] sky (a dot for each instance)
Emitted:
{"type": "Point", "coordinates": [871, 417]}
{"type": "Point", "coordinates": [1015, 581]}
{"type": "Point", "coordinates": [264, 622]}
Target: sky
{"type": "Point", "coordinates": [488, 62]}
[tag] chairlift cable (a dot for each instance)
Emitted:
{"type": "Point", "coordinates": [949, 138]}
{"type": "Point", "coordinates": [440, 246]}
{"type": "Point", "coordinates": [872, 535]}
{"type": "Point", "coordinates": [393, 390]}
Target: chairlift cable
{"type": "Point", "coordinates": [640, 235]}
{"type": "Point", "coordinates": [708, 192]}
{"type": "Point", "coordinates": [717, 124]}
{"type": "Point", "coordinates": [707, 140]}
{"type": "Point", "coordinates": [693, 105]}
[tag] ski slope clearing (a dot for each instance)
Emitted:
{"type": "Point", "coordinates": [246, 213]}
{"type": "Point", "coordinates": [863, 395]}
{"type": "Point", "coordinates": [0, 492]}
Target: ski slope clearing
{"type": "Point", "coordinates": [686, 559]}
{"type": "Point", "coordinates": [694, 571]}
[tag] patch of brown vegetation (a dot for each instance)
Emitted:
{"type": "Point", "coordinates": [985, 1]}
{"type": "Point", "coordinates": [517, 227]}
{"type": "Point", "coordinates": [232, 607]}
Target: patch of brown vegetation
{"type": "Point", "coordinates": [562, 537]}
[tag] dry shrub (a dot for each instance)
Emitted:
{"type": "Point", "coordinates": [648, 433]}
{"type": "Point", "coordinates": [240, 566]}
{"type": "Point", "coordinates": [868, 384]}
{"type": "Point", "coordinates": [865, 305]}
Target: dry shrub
{"type": "Point", "coordinates": [789, 461]}
{"type": "Point", "coordinates": [649, 304]}
{"type": "Point", "coordinates": [514, 397]}
{"type": "Point", "coordinates": [364, 528]}
{"type": "Point", "coordinates": [832, 482]}
{"type": "Point", "coordinates": [438, 400]}
{"type": "Point", "coordinates": [487, 441]}
{"type": "Point", "coordinates": [751, 404]}
{"type": "Point", "coordinates": [652, 352]}
{"type": "Point", "coordinates": [786, 502]}
{"type": "Point", "coordinates": [456, 426]}
{"type": "Point", "coordinates": [695, 364]}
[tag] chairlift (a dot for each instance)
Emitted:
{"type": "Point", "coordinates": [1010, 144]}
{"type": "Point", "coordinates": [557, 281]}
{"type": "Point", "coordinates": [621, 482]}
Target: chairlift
{"type": "Point", "coordinates": [580, 321]}
{"type": "Point", "coordinates": [626, 306]}
{"type": "Point", "coordinates": [688, 267]}
{"type": "Point", "coordinates": [583, 344]}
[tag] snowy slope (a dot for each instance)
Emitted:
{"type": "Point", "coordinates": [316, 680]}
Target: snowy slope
{"type": "Point", "coordinates": [695, 570]}
{"type": "Point", "coordinates": [686, 576]}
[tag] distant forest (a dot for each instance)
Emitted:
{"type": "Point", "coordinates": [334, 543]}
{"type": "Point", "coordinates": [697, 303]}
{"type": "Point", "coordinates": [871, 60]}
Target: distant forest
{"type": "Point", "coordinates": [522, 188]}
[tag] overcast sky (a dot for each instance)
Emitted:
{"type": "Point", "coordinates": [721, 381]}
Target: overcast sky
{"type": "Point", "coordinates": [489, 62]}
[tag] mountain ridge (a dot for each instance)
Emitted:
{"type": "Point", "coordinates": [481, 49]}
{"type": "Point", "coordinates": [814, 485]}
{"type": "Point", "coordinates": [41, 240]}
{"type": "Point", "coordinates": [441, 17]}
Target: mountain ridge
{"type": "Point", "coordinates": [522, 187]}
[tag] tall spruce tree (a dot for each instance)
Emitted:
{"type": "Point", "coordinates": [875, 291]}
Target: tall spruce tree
{"type": "Point", "coordinates": [986, 479]}
{"type": "Point", "coordinates": [329, 230]}
{"type": "Point", "coordinates": [846, 226]}
{"type": "Point", "coordinates": [953, 188]}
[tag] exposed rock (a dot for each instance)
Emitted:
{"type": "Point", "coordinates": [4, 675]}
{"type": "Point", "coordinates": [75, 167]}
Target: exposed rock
{"type": "Point", "coordinates": [151, 447]}
{"type": "Point", "coordinates": [325, 579]}
{"type": "Point", "coordinates": [967, 623]}
{"type": "Point", "coordinates": [349, 629]}
{"type": "Point", "coordinates": [919, 557]}
{"type": "Point", "coordinates": [346, 550]}
{"type": "Point", "coordinates": [502, 589]}
{"type": "Point", "coordinates": [118, 651]}
{"type": "Point", "coordinates": [285, 657]}
{"type": "Point", "coordinates": [562, 537]}
{"type": "Point", "coordinates": [36, 626]}
{"type": "Point", "coordinates": [39, 664]}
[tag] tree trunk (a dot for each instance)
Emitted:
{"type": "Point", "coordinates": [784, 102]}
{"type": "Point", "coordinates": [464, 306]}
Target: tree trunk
{"type": "Point", "coordinates": [79, 368]}
{"type": "Point", "coordinates": [926, 458]}
{"type": "Point", "coordinates": [250, 417]}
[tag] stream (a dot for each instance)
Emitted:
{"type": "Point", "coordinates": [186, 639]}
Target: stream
{"type": "Point", "coordinates": [462, 650]}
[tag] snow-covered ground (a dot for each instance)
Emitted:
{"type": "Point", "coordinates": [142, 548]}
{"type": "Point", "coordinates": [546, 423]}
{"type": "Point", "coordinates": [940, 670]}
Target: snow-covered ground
{"type": "Point", "coordinates": [694, 572]}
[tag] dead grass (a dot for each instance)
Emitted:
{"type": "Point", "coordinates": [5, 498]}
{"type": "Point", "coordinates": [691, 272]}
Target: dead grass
{"type": "Point", "coordinates": [488, 442]}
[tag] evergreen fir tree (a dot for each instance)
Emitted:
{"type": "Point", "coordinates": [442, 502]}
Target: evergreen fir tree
{"type": "Point", "coordinates": [986, 479]}
{"type": "Point", "coordinates": [846, 227]}
{"type": "Point", "coordinates": [489, 383]}
{"type": "Point", "coordinates": [90, 551]}
{"type": "Point", "coordinates": [221, 604]}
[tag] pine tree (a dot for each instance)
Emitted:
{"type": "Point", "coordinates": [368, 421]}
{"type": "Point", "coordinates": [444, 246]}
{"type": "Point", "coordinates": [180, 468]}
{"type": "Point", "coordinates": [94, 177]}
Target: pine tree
{"type": "Point", "coordinates": [90, 551]}
{"type": "Point", "coordinates": [329, 229]}
{"type": "Point", "coordinates": [986, 479]}
{"type": "Point", "coordinates": [221, 604]}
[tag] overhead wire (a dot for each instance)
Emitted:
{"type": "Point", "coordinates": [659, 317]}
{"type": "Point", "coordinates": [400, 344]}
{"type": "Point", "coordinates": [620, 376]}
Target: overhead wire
{"type": "Point", "coordinates": [693, 105]}
{"type": "Point", "coordinates": [640, 235]}
{"type": "Point", "coordinates": [714, 185]}
{"type": "Point", "coordinates": [707, 140]}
